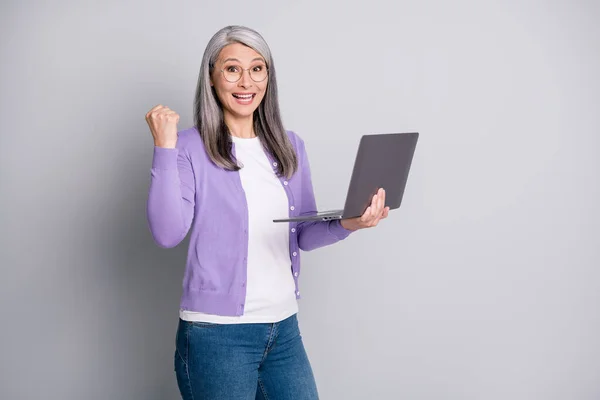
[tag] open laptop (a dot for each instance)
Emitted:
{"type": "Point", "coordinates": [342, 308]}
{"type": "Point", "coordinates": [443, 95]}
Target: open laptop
{"type": "Point", "coordinates": [382, 161]}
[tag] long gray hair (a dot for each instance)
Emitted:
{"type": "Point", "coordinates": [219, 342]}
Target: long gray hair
{"type": "Point", "coordinates": [208, 114]}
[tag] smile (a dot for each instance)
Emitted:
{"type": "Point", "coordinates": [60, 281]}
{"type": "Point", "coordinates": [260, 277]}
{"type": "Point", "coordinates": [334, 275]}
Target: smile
{"type": "Point", "coordinates": [244, 98]}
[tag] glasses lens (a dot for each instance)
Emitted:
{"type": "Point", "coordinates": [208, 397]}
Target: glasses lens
{"type": "Point", "coordinates": [258, 73]}
{"type": "Point", "coordinates": [232, 74]}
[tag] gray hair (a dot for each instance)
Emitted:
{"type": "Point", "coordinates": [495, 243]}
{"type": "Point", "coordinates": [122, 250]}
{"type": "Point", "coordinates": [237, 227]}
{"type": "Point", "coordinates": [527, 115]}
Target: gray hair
{"type": "Point", "coordinates": [208, 114]}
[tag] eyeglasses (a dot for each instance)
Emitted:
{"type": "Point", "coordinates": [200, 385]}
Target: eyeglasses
{"type": "Point", "coordinates": [233, 73]}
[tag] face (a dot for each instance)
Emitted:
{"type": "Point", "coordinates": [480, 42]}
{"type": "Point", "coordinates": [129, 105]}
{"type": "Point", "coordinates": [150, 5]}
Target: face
{"type": "Point", "coordinates": [239, 99]}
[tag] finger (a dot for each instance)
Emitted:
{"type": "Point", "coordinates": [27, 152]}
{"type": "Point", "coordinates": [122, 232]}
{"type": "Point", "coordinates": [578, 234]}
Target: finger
{"type": "Point", "coordinates": [380, 200]}
{"type": "Point", "coordinates": [365, 217]}
{"type": "Point", "coordinates": [384, 215]}
{"type": "Point", "coordinates": [163, 114]}
{"type": "Point", "coordinates": [379, 205]}
{"type": "Point", "coordinates": [386, 212]}
{"type": "Point", "coordinates": [378, 210]}
{"type": "Point", "coordinates": [374, 207]}
{"type": "Point", "coordinates": [155, 108]}
{"type": "Point", "coordinates": [376, 220]}
{"type": "Point", "coordinates": [158, 111]}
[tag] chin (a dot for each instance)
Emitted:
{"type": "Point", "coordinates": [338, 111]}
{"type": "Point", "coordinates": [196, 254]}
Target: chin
{"type": "Point", "coordinates": [242, 113]}
{"type": "Point", "coordinates": [243, 110]}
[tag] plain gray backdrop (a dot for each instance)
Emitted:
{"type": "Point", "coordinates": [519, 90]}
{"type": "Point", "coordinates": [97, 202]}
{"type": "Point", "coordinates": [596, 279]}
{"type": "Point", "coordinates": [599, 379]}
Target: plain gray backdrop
{"type": "Point", "coordinates": [485, 284]}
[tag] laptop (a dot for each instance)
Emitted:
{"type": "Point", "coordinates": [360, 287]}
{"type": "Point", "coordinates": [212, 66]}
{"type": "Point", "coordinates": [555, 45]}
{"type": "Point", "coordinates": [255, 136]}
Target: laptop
{"type": "Point", "coordinates": [382, 161]}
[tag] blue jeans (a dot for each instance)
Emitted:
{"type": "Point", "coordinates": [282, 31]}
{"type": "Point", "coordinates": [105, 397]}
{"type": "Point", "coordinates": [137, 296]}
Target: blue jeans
{"type": "Point", "coordinates": [243, 362]}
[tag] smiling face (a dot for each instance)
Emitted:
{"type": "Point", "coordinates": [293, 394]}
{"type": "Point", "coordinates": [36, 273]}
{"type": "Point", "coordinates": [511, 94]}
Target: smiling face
{"type": "Point", "coordinates": [239, 99]}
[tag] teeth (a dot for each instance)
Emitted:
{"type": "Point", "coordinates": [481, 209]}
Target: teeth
{"type": "Point", "coordinates": [243, 96]}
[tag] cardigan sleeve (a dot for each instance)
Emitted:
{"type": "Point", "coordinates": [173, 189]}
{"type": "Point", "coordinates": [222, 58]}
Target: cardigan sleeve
{"type": "Point", "coordinates": [170, 204]}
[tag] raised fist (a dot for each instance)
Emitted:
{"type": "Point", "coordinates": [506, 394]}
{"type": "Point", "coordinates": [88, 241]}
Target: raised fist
{"type": "Point", "coordinates": [163, 125]}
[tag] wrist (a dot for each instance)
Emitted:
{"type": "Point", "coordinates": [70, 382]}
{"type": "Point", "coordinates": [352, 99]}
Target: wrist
{"type": "Point", "coordinates": [165, 144]}
{"type": "Point", "coordinates": [348, 225]}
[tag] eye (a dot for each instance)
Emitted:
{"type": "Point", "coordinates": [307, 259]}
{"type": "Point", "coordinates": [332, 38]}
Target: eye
{"type": "Point", "coordinates": [232, 68]}
{"type": "Point", "coordinates": [258, 68]}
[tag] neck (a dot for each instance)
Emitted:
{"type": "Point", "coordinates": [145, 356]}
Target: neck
{"type": "Point", "coordinates": [240, 127]}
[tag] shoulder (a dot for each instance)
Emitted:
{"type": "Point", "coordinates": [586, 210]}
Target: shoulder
{"type": "Point", "coordinates": [187, 137]}
{"type": "Point", "coordinates": [296, 141]}
{"type": "Point", "coordinates": [190, 142]}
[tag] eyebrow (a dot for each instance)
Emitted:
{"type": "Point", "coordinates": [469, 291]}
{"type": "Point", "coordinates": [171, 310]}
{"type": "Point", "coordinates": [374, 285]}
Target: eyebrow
{"type": "Point", "coordinates": [235, 59]}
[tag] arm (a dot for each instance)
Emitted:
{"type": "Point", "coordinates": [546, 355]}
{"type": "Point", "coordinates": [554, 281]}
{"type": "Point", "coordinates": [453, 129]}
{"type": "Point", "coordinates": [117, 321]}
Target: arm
{"type": "Point", "coordinates": [170, 206]}
{"type": "Point", "coordinates": [314, 234]}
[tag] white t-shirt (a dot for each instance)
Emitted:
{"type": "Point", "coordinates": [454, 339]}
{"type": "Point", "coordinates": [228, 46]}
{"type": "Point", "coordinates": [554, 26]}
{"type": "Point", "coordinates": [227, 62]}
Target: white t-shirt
{"type": "Point", "coordinates": [270, 291]}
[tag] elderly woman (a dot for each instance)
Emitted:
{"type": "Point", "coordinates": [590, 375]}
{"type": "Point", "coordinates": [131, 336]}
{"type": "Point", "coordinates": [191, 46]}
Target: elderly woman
{"type": "Point", "coordinates": [227, 178]}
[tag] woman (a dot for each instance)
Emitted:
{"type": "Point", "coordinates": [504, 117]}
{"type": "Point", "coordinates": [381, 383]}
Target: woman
{"type": "Point", "coordinates": [227, 178]}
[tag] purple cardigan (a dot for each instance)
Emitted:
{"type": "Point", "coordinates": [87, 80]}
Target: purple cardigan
{"type": "Point", "coordinates": [188, 190]}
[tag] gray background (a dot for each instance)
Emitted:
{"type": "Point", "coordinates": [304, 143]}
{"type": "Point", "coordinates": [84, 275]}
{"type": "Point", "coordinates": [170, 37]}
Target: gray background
{"type": "Point", "coordinates": [484, 285]}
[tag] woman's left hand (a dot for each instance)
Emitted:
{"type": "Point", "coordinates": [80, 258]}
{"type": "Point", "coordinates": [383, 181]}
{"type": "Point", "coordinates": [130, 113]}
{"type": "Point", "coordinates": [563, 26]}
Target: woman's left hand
{"type": "Point", "coordinates": [372, 215]}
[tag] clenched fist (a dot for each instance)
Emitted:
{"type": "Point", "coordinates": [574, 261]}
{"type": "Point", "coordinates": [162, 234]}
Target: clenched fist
{"type": "Point", "coordinates": [163, 125]}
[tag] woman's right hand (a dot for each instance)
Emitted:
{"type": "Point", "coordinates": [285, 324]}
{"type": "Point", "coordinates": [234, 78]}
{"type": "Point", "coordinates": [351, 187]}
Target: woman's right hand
{"type": "Point", "coordinates": [163, 125]}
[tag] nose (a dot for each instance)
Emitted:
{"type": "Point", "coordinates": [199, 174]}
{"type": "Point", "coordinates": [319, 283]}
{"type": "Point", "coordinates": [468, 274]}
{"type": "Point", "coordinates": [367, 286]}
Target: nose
{"type": "Point", "coordinates": [245, 81]}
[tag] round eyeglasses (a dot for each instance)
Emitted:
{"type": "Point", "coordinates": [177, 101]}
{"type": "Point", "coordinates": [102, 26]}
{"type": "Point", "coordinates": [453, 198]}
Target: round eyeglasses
{"type": "Point", "coordinates": [233, 73]}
